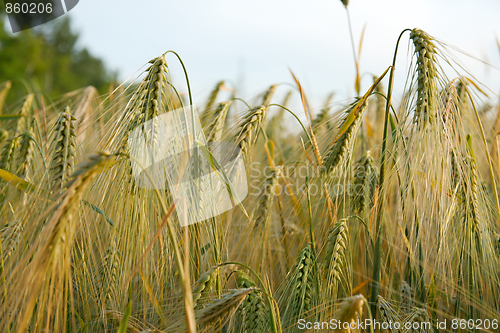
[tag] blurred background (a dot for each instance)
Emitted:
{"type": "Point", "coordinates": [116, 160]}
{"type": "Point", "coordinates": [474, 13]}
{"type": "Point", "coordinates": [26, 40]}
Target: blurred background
{"type": "Point", "coordinates": [249, 44]}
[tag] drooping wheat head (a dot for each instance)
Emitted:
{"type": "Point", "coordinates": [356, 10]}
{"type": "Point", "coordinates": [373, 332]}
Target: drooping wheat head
{"type": "Point", "coordinates": [300, 294]}
{"type": "Point", "coordinates": [425, 110]}
{"type": "Point", "coordinates": [215, 129]}
{"type": "Point", "coordinates": [253, 311]}
{"type": "Point", "coordinates": [64, 151]}
{"type": "Point", "coordinates": [339, 151]}
{"type": "Point", "coordinates": [335, 264]}
{"type": "Point", "coordinates": [365, 182]}
{"type": "Point", "coordinates": [250, 127]}
{"type": "Point", "coordinates": [266, 201]}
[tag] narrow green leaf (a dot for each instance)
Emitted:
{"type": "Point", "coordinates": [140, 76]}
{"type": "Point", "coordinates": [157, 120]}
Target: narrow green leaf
{"type": "Point", "coordinates": [126, 316]}
{"type": "Point", "coordinates": [95, 208]}
{"type": "Point", "coordinates": [19, 183]}
{"type": "Point", "coordinates": [10, 116]}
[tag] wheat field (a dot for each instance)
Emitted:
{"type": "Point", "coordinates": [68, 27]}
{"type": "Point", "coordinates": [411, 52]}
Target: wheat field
{"type": "Point", "coordinates": [372, 209]}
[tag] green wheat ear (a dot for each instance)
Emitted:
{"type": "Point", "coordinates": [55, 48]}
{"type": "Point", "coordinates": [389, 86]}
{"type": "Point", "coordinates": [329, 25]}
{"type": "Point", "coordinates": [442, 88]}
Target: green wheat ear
{"type": "Point", "coordinates": [253, 311]}
{"type": "Point", "coordinates": [300, 296]}
{"type": "Point", "coordinates": [250, 127]}
{"type": "Point", "coordinates": [365, 182]}
{"type": "Point", "coordinates": [111, 266]}
{"type": "Point", "coordinates": [425, 110]}
{"type": "Point", "coordinates": [25, 152]}
{"type": "Point", "coordinates": [64, 146]}
{"type": "Point", "coordinates": [265, 204]}
{"type": "Point", "coordinates": [203, 286]}
{"type": "Point", "coordinates": [335, 258]}
{"type": "Point", "coordinates": [222, 309]}
{"type": "Point", "coordinates": [341, 148]}
{"type": "Point", "coordinates": [215, 129]}
{"type": "Point", "coordinates": [207, 116]}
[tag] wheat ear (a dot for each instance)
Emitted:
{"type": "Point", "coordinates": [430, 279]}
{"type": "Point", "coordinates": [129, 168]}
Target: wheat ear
{"type": "Point", "coordinates": [425, 111]}
{"type": "Point", "coordinates": [250, 128]}
{"type": "Point", "coordinates": [335, 257]}
{"type": "Point", "coordinates": [253, 310]}
{"type": "Point", "coordinates": [339, 151]}
{"type": "Point", "coordinates": [300, 294]}
{"type": "Point", "coordinates": [64, 151]}
{"type": "Point", "coordinates": [223, 307]}
{"type": "Point", "coordinates": [365, 182]}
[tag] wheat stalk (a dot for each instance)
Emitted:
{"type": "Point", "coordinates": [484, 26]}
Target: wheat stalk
{"type": "Point", "coordinates": [49, 259]}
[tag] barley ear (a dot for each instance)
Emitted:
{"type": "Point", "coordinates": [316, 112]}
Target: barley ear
{"type": "Point", "coordinates": [253, 311]}
{"type": "Point", "coordinates": [339, 151]}
{"type": "Point", "coordinates": [335, 257]}
{"type": "Point", "coordinates": [365, 182]}
{"type": "Point", "coordinates": [224, 307]}
{"type": "Point", "coordinates": [406, 297]}
{"type": "Point", "coordinates": [64, 147]}
{"type": "Point", "coordinates": [425, 110]}
{"type": "Point", "coordinates": [250, 127]}
{"type": "Point", "coordinates": [203, 286]}
{"type": "Point", "coordinates": [299, 297]}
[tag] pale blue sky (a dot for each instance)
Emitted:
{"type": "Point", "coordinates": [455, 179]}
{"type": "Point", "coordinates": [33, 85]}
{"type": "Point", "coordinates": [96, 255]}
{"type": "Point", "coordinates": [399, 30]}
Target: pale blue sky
{"type": "Point", "coordinates": [255, 42]}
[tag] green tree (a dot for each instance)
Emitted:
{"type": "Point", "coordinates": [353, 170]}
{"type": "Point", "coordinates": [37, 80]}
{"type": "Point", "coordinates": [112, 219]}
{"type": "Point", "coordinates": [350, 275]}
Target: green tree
{"type": "Point", "coordinates": [48, 59]}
